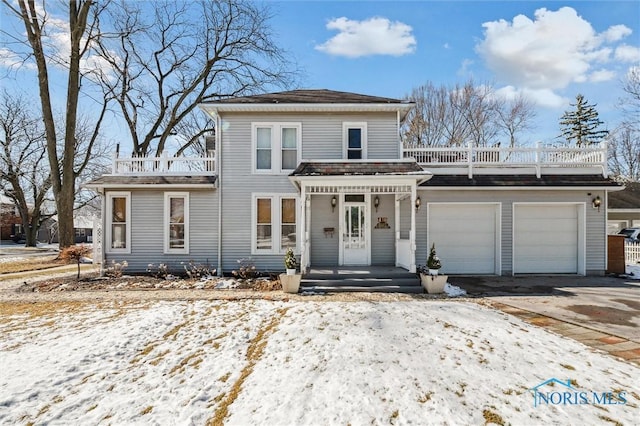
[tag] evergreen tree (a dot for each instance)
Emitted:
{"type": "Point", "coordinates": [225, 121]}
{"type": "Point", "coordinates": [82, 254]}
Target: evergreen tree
{"type": "Point", "coordinates": [582, 124]}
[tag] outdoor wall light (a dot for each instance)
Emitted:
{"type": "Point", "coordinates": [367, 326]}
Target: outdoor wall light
{"type": "Point", "coordinates": [596, 202]}
{"type": "Point", "coordinates": [334, 202]}
{"type": "Point", "coordinates": [376, 203]}
{"type": "Point", "coordinates": [418, 203]}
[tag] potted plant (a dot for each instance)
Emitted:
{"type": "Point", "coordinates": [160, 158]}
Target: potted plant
{"type": "Point", "coordinates": [290, 281]}
{"type": "Point", "coordinates": [431, 281]}
{"type": "Point", "coordinates": [290, 262]}
{"type": "Point", "coordinates": [433, 261]}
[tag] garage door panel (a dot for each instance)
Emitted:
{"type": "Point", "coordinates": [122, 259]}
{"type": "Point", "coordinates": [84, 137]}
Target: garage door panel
{"type": "Point", "coordinates": [546, 238]}
{"type": "Point", "coordinates": [465, 237]}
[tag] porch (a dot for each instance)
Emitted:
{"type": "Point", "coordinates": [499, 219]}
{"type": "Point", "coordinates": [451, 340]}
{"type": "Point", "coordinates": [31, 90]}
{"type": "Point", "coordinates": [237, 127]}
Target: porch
{"type": "Point", "coordinates": [380, 279]}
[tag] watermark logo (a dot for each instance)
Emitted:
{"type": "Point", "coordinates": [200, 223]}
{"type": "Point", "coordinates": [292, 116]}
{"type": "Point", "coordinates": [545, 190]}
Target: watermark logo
{"type": "Point", "coordinates": [557, 392]}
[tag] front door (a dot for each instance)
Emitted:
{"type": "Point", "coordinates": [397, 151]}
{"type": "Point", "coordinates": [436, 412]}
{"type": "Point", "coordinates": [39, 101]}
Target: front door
{"type": "Point", "coordinates": [354, 235]}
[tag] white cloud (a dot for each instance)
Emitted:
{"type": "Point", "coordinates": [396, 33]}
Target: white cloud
{"type": "Point", "coordinates": [549, 52]}
{"type": "Point", "coordinates": [543, 97]}
{"type": "Point", "coordinates": [9, 59]}
{"type": "Point", "coordinates": [446, 46]}
{"type": "Point", "coordinates": [373, 36]}
{"type": "Point", "coordinates": [626, 53]}
{"type": "Point", "coordinates": [601, 75]}
{"type": "Point", "coordinates": [616, 33]}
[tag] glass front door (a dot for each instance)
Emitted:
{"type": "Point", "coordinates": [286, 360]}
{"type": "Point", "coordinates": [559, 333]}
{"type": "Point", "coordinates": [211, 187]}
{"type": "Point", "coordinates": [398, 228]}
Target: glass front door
{"type": "Point", "coordinates": [354, 235]}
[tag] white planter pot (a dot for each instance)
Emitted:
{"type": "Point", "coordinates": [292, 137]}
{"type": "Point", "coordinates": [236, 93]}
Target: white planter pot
{"type": "Point", "coordinates": [433, 271]}
{"type": "Point", "coordinates": [291, 271]}
{"type": "Point", "coordinates": [434, 284]}
{"type": "Point", "coordinates": [290, 283]}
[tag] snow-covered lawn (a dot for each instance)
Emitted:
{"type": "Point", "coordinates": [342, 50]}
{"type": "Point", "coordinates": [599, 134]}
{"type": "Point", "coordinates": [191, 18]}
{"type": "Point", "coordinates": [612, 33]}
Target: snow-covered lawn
{"type": "Point", "coordinates": [294, 363]}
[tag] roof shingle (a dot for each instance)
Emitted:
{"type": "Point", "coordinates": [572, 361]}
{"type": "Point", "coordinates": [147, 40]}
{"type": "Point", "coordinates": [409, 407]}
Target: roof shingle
{"type": "Point", "coordinates": [520, 180]}
{"type": "Point", "coordinates": [310, 96]}
{"type": "Point", "coordinates": [361, 168]}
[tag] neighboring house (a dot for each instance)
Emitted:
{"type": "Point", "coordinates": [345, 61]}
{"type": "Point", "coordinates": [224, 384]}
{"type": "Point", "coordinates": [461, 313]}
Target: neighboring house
{"type": "Point", "coordinates": [325, 173]}
{"type": "Point", "coordinates": [624, 208]}
{"type": "Point", "coordinates": [10, 221]}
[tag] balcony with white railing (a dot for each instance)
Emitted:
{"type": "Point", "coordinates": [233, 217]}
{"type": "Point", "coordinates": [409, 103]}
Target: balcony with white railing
{"type": "Point", "coordinates": [539, 159]}
{"type": "Point", "coordinates": [164, 165]}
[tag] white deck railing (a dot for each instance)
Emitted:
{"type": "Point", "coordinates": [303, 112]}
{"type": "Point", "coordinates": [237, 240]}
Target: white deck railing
{"type": "Point", "coordinates": [164, 165]}
{"type": "Point", "coordinates": [632, 253]}
{"type": "Point", "coordinates": [538, 158]}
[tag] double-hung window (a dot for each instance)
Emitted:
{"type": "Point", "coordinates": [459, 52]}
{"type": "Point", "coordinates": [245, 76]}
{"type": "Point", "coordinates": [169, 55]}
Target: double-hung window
{"type": "Point", "coordinates": [275, 227]}
{"type": "Point", "coordinates": [354, 141]}
{"type": "Point", "coordinates": [119, 222]}
{"type": "Point", "coordinates": [276, 147]}
{"type": "Point", "coordinates": [176, 222]}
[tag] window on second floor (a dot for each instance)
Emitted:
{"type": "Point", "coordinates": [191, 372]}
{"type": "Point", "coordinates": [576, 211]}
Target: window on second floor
{"type": "Point", "coordinates": [276, 147]}
{"type": "Point", "coordinates": [354, 141]}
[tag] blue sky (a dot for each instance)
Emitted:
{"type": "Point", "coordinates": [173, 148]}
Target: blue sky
{"type": "Point", "coordinates": [550, 51]}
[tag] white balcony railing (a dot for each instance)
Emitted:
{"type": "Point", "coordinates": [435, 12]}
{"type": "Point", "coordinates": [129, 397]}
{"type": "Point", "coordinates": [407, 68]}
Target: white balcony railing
{"type": "Point", "coordinates": [164, 165]}
{"type": "Point", "coordinates": [540, 159]}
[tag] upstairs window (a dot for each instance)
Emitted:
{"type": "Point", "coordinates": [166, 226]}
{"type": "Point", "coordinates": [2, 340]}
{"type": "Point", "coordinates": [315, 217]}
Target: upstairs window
{"type": "Point", "coordinates": [276, 147]}
{"type": "Point", "coordinates": [355, 141]}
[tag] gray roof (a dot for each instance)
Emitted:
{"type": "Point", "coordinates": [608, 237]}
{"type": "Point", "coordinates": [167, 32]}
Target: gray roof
{"type": "Point", "coordinates": [520, 180]}
{"type": "Point", "coordinates": [122, 180]}
{"type": "Point", "coordinates": [310, 96]}
{"type": "Point", "coordinates": [361, 168]}
{"type": "Point", "coordinates": [628, 198]}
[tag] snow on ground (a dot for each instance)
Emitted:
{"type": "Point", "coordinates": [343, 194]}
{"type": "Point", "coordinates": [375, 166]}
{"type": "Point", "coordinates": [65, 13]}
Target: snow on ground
{"type": "Point", "coordinates": [281, 363]}
{"type": "Point", "coordinates": [633, 271]}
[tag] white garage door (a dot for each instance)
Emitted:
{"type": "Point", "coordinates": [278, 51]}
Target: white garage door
{"type": "Point", "coordinates": [465, 237]}
{"type": "Point", "coordinates": [545, 239]}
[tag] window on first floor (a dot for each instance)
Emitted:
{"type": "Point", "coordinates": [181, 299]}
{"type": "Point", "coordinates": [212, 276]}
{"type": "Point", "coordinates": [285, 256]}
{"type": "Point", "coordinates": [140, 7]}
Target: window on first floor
{"type": "Point", "coordinates": [176, 222]}
{"type": "Point", "coordinates": [119, 222]}
{"type": "Point", "coordinates": [275, 226]}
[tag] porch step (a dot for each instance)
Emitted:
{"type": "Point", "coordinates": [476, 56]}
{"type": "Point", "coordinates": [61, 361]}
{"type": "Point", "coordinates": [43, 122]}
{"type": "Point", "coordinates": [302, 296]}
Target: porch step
{"type": "Point", "coordinates": [360, 284]}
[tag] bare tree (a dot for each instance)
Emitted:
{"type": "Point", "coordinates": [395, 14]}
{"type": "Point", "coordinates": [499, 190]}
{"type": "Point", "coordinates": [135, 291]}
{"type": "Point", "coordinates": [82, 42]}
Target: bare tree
{"type": "Point", "coordinates": [23, 176]}
{"type": "Point", "coordinates": [184, 53]}
{"type": "Point", "coordinates": [456, 115]}
{"type": "Point", "coordinates": [624, 142]}
{"type": "Point", "coordinates": [515, 116]}
{"type": "Point", "coordinates": [82, 32]}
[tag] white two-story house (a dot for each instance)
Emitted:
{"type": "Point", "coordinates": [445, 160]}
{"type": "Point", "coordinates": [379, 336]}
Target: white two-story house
{"type": "Point", "coordinates": [325, 173]}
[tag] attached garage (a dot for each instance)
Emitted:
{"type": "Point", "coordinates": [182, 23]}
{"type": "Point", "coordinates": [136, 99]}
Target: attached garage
{"type": "Point", "coordinates": [548, 238]}
{"type": "Point", "coordinates": [466, 236]}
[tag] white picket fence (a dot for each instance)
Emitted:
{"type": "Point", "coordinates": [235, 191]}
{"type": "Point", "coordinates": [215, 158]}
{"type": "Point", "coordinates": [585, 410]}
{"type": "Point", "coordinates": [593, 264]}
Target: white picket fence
{"type": "Point", "coordinates": [632, 253]}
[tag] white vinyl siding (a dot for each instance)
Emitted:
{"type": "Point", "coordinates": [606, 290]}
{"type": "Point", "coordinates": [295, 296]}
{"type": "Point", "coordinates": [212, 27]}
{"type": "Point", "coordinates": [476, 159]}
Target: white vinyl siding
{"type": "Point", "coordinates": [466, 237]}
{"type": "Point", "coordinates": [118, 222]}
{"type": "Point", "coordinates": [176, 222]}
{"type": "Point", "coordinates": [354, 140]}
{"type": "Point", "coordinates": [274, 223]}
{"type": "Point", "coordinates": [276, 147]}
{"type": "Point", "coordinates": [547, 238]}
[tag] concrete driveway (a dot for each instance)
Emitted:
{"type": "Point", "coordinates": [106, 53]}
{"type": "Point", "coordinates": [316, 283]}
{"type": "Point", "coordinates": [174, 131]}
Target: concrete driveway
{"type": "Point", "coordinates": [607, 304]}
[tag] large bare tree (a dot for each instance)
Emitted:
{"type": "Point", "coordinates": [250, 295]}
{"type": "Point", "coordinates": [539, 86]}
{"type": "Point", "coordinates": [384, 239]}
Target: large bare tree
{"type": "Point", "coordinates": [24, 176]}
{"type": "Point", "coordinates": [81, 27]}
{"type": "Point", "coordinates": [624, 142]}
{"type": "Point", "coordinates": [459, 114]}
{"type": "Point", "coordinates": [169, 58]}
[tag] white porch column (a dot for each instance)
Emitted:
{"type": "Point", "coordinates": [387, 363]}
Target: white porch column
{"type": "Point", "coordinates": [303, 231]}
{"type": "Point", "coordinates": [412, 234]}
{"type": "Point", "coordinates": [397, 226]}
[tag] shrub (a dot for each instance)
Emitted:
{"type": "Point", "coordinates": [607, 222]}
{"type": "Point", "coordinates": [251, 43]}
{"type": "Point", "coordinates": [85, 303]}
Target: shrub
{"type": "Point", "coordinates": [161, 272]}
{"type": "Point", "coordinates": [75, 254]}
{"type": "Point", "coordinates": [290, 261]}
{"type": "Point", "coordinates": [246, 269]}
{"type": "Point", "coordinates": [198, 270]}
{"type": "Point", "coordinates": [116, 270]}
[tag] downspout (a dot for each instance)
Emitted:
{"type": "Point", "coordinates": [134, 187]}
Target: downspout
{"type": "Point", "coordinates": [219, 171]}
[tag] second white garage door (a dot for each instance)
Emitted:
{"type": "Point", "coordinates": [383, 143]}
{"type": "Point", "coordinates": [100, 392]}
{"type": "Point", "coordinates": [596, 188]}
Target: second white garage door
{"type": "Point", "coordinates": [546, 238]}
{"type": "Point", "coordinates": [466, 237]}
